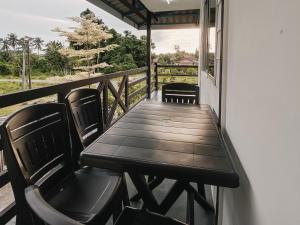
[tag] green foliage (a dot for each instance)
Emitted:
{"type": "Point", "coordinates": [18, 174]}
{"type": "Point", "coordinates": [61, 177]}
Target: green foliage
{"type": "Point", "coordinates": [5, 68]}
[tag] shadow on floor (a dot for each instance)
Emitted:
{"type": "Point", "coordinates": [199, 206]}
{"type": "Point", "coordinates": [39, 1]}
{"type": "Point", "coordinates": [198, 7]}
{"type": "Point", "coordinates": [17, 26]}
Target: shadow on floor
{"type": "Point", "coordinates": [178, 211]}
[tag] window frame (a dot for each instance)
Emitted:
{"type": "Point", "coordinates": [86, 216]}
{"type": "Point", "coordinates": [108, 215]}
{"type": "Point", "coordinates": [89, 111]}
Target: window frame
{"type": "Point", "coordinates": [218, 39]}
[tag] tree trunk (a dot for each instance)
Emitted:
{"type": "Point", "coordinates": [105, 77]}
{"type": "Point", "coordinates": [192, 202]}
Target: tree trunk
{"type": "Point", "coordinates": [24, 69]}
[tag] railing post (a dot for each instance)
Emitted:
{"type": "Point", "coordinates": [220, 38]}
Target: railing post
{"type": "Point", "coordinates": [156, 76]}
{"type": "Point", "coordinates": [62, 95]}
{"type": "Point", "coordinates": [105, 103]}
{"type": "Point", "coordinates": [149, 54]}
{"type": "Point", "coordinates": [126, 92]}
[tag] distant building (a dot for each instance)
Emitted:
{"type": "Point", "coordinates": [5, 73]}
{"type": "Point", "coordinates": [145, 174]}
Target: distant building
{"type": "Point", "coordinates": [188, 60]}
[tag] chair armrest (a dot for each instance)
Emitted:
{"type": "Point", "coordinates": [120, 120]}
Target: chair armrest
{"type": "Point", "coordinates": [45, 211]}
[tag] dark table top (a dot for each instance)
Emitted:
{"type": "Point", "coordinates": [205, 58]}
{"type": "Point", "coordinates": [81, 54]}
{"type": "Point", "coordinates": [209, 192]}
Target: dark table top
{"type": "Point", "coordinates": [171, 140]}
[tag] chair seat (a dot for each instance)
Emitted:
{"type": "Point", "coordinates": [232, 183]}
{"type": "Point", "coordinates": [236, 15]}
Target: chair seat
{"type": "Point", "coordinates": [85, 195]}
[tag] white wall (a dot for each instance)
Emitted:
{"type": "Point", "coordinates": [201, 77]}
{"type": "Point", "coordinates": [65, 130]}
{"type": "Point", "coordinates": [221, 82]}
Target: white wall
{"type": "Point", "coordinates": [263, 110]}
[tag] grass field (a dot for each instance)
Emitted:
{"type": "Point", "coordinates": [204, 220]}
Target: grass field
{"type": "Point", "coordinates": [10, 87]}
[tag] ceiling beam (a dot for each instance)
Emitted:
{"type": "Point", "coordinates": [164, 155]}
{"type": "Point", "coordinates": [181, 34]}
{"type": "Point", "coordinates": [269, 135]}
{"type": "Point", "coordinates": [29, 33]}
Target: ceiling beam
{"type": "Point", "coordinates": [133, 9]}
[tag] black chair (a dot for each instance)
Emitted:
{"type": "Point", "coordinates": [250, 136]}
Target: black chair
{"type": "Point", "coordinates": [86, 119]}
{"type": "Point", "coordinates": [37, 150]}
{"type": "Point", "coordinates": [180, 93]}
{"type": "Point", "coordinates": [86, 123]}
{"type": "Point", "coordinates": [129, 216]}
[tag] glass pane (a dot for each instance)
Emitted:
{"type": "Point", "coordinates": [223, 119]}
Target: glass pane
{"type": "Point", "coordinates": [212, 37]}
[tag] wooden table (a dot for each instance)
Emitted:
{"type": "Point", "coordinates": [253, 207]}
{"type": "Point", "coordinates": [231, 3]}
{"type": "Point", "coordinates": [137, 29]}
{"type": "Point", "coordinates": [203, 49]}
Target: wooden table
{"type": "Point", "coordinates": [175, 141]}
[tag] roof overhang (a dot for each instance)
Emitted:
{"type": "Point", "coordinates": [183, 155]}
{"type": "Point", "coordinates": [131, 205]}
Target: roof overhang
{"type": "Point", "coordinates": [134, 12]}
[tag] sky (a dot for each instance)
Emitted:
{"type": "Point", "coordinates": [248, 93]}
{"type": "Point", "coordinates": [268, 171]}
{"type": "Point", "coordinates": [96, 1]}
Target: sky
{"type": "Point", "coordinates": [36, 18]}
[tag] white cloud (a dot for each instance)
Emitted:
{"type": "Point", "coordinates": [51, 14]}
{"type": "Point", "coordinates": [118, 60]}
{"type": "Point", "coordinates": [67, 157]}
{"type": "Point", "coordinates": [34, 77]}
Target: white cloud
{"type": "Point", "coordinates": [37, 18]}
{"type": "Point", "coordinates": [165, 40]}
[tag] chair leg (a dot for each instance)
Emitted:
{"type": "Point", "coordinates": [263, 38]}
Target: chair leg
{"type": "Point", "coordinates": [125, 195]}
{"type": "Point", "coordinates": [117, 212]}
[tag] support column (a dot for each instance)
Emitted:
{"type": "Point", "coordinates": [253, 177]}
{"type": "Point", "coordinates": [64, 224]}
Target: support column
{"type": "Point", "coordinates": [149, 54]}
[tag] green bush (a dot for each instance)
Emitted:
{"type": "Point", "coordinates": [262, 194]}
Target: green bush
{"type": "Point", "coordinates": [5, 68]}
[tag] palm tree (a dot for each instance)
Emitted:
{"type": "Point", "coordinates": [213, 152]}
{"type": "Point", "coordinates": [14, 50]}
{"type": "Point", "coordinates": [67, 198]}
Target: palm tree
{"type": "Point", "coordinates": [5, 45]}
{"type": "Point", "coordinates": [54, 45]}
{"type": "Point", "coordinates": [38, 44]}
{"type": "Point", "coordinates": [12, 40]}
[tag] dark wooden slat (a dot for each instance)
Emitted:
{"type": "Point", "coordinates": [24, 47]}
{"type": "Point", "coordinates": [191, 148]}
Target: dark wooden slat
{"type": "Point", "coordinates": [166, 136]}
{"type": "Point", "coordinates": [118, 100]}
{"type": "Point", "coordinates": [196, 132]}
{"type": "Point", "coordinates": [174, 119]}
{"type": "Point", "coordinates": [157, 109]}
{"type": "Point", "coordinates": [177, 75]}
{"type": "Point", "coordinates": [171, 113]}
{"type": "Point", "coordinates": [177, 66]}
{"type": "Point", "coordinates": [169, 106]}
{"type": "Point", "coordinates": [208, 126]}
{"type": "Point", "coordinates": [137, 81]}
{"type": "Point", "coordinates": [173, 146]}
{"type": "Point", "coordinates": [8, 213]}
{"type": "Point", "coordinates": [137, 92]}
{"type": "Point", "coordinates": [132, 8]}
{"type": "Point", "coordinates": [177, 159]}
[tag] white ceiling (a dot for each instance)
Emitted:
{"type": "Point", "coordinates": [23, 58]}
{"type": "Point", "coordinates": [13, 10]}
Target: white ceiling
{"type": "Point", "coordinates": [162, 5]}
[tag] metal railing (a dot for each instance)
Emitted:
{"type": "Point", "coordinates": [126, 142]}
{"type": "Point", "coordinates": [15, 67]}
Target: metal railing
{"type": "Point", "coordinates": [116, 89]}
{"type": "Point", "coordinates": [181, 71]}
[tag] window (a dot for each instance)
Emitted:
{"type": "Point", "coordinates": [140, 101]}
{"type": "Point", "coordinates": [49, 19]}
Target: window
{"type": "Point", "coordinates": [212, 37]}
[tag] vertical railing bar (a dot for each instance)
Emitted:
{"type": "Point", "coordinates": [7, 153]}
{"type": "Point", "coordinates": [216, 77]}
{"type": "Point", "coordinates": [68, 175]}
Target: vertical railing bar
{"type": "Point", "coordinates": [126, 92]}
{"type": "Point", "coordinates": [156, 76]}
{"type": "Point", "coordinates": [105, 104]}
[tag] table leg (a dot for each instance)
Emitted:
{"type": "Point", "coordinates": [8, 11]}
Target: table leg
{"type": "Point", "coordinates": [190, 217]}
{"type": "Point", "coordinates": [152, 184]}
{"type": "Point", "coordinates": [142, 187]}
{"type": "Point", "coordinates": [171, 197]}
{"type": "Point", "coordinates": [201, 189]}
{"type": "Point", "coordinates": [199, 199]}
{"type": "Point", "coordinates": [217, 206]}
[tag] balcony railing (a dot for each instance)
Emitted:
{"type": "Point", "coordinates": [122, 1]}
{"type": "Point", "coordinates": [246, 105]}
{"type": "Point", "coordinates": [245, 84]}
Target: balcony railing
{"type": "Point", "coordinates": [164, 74]}
{"type": "Point", "coordinates": [119, 92]}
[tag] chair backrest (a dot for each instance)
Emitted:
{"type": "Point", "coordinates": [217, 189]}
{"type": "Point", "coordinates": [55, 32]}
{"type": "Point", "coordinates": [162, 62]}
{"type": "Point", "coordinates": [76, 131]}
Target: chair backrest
{"type": "Point", "coordinates": [37, 150]}
{"type": "Point", "coordinates": [180, 93]}
{"type": "Point", "coordinates": [85, 112]}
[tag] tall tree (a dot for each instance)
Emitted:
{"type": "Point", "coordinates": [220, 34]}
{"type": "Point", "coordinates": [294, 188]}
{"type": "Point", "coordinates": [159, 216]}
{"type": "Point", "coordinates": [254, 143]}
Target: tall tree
{"type": "Point", "coordinates": [88, 34]}
{"type": "Point", "coordinates": [57, 62]}
{"type": "Point", "coordinates": [38, 44]}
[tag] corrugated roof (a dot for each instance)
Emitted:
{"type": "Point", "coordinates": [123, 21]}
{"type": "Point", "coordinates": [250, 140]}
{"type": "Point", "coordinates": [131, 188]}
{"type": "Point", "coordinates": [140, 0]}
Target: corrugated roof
{"type": "Point", "coordinates": [134, 13]}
